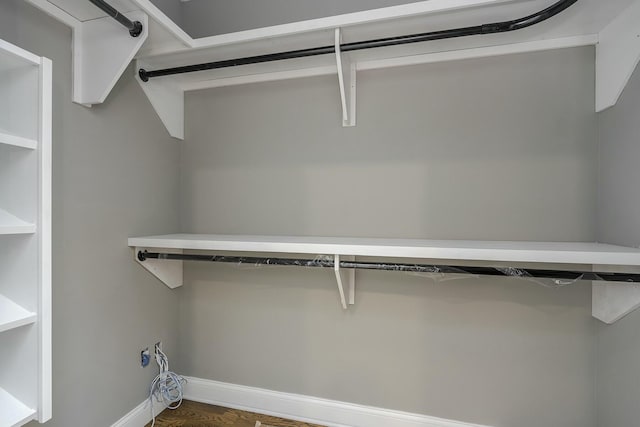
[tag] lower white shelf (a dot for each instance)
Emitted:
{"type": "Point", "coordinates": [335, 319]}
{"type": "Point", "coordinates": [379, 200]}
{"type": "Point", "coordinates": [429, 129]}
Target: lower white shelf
{"type": "Point", "coordinates": [14, 413]}
{"type": "Point", "coordinates": [467, 250]}
{"type": "Point", "coordinates": [611, 300]}
{"type": "Point", "coordinates": [13, 316]}
{"type": "Point", "coordinates": [17, 141]}
{"type": "Point", "coordinates": [10, 224]}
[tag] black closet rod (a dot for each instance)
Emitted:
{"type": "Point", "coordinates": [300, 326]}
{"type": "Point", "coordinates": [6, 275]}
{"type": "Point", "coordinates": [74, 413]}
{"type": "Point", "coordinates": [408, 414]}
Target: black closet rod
{"type": "Point", "coordinates": [497, 27]}
{"type": "Point", "coordinates": [134, 27]}
{"type": "Point", "coordinates": [562, 275]}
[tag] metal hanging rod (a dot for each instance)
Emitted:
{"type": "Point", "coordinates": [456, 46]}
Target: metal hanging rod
{"type": "Point", "coordinates": [134, 27]}
{"type": "Point", "coordinates": [561, 275]}
{"type": "Point", "coordinates": [497, 27]}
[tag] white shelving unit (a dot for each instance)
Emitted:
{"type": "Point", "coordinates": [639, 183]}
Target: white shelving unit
{"type": "Point", "coordinates": [611, 301]}
{"type": "Point", "coordinates": [462, 250]}
{"type": "Point", "coordinates": [25, 237]}
{"type": "Point", "coordinates": [102, 48]}
{"type": "Point", "coordinates": [102, 51]}
{"type": "Point", "coordinates": [610, 26]}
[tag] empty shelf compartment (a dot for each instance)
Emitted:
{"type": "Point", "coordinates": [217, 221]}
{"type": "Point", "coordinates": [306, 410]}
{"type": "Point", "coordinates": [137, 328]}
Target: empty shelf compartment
{"type": "Point", "coordinates": [13, 316]}
{"type": "Point", "coordinates": [13, 413]}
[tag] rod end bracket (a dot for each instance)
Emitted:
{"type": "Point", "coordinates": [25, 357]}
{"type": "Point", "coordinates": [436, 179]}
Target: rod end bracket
{"type": "Point", "coordinates": [142, 73]}
{"type": "Point", "coordinates": [137, 29]}
{"type": "Point", "coordinates": [141, 256]}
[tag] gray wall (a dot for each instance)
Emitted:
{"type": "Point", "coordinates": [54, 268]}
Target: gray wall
{"type": "Point", "coordinates": [497, 148]}
{"type": "Point", "coordinates": [210, 17]}
{"type": "Point", "coordinates": [115, 174]}
{"type": "Point", "coordinates": [619, 147]}
{"type": "Point", "coordinates": [171, 8]}
{"type": "Point", "coordinates": [619, 222]}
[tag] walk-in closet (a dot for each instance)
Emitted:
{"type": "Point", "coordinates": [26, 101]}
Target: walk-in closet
{"type": "Point", "coordinates": [301, 213]}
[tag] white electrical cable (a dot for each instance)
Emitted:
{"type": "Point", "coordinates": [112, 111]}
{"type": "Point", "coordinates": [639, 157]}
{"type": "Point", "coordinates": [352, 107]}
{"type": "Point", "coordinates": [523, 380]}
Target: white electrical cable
{"type": "Point", "coordinates": [166, 387]}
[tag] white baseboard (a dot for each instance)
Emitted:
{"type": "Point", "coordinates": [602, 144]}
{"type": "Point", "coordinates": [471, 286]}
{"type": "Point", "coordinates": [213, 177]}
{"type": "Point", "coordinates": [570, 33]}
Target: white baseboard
{"type": "Point", "coordinates": [330, 413]}
{"type": "Point", "coordinates": [140, 415]}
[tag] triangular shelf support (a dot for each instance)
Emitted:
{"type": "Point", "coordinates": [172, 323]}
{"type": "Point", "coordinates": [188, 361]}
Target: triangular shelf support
{"type": "Point", "coordinates": [168, 272]}
{"type": "Point", "coordinates": [102, 51]}
{"type": "Point", "coordinates": [167, 99]}
{"type": "Point", "coordinates": [617, 54]}
{"type": "Point", "coordinates": [611, 301]}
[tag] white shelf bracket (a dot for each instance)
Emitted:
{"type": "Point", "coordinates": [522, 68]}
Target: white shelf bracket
{"type": "Point", "coordinates": [102, 51]}
{"type": "Point", "coordinates": [167, 99]}
{"type": "Point", "coordinates": [336, 269]}
{"type": "Point", "coordinates": [617, 54]}
{"type": "Point", "coordinates": [351, 281]}
{"type": "Point", "coordinates": [346, 82]}
{"type": "Point", "coordinates": [351, 277]}
{"type": "Point", "coordinates": [167, 271]}
{"type": "Point", "coordinates": [611, 301]}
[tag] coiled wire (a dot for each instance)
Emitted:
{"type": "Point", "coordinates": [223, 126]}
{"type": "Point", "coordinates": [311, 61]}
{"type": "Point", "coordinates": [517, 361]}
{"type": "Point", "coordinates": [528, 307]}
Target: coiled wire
{"type": "Point", "coordinates": [166, 387]}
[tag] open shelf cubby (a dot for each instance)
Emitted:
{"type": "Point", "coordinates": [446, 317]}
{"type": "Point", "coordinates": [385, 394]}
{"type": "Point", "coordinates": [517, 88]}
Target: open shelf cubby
{"type": "Point", "coordinates": [13, 316]}
{"type": "Point", "coordinates": [14, 412]}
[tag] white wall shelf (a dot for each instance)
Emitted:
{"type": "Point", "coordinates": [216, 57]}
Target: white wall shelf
{"type": "Point", "coordinates": [14, 413]}
{"type": "Point", "coordinates": [608, 306]}
{"type": "Point", "coordinates": [10, 224]}
{"type": "Point", "coordinates": [14, 316]}
{"type": "Point", "coordinates": [577, 26]}
{"type": "Point", "coordinates": [466, 250]}
{"type": "Point", "coordinates": [25, 236]}
{"type": "Point", "coordinates": [17, 141]}
{"type": "Point", "coordinates": [167, 45]}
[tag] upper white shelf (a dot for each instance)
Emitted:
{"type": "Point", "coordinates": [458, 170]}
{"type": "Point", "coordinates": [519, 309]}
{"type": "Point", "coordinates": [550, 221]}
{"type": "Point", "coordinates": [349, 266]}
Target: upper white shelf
{"type": "Point", "coordinates": [579, 25]}
{"type": "Point", "coordinates": [10, 224]}
{"type": "Point", "coordinates": [469, 250]}
{"type": "Point", "coordinates": [13, 316]}
{"type": "Point", "coordinates": [13, 412]}
{"type": "Point", "coordinates": [585, 18]}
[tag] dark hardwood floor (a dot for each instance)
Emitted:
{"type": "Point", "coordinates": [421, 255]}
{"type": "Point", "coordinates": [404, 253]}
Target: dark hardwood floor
{"type": "Point", "coordinates": [194, 414]}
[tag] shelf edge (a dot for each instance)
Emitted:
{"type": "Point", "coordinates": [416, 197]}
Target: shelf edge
{"type": "Point", "coordinates": [17, 323]}
{"type": "Point", "coordinates": [18, 141]}
{"type": "Point", "coordinates": [397, 249]}
{"type": "Point", "coordinates": [19, 315]}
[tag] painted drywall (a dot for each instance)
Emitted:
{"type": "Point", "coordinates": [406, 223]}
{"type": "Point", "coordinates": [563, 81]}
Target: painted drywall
{"type": "Point", "coordinates": [171, 8]}
{"type": "Point", "coordinates": [496, 148]}
{"type": "Point", "coordinates": [114, 175]}
{"type": "Point", "coordinates": [619, 222]}
{"type": "Point", "coordinates": [618, 208]}
{"type": "Point", "coordinates": [203, 18]}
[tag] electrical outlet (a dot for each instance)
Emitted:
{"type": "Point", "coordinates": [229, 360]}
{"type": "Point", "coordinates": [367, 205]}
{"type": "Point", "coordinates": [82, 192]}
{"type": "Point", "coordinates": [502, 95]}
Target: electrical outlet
{"type": "Point", "coordinates": [145, 357]}
{"type": "Point", "coordinates": [158, 347]}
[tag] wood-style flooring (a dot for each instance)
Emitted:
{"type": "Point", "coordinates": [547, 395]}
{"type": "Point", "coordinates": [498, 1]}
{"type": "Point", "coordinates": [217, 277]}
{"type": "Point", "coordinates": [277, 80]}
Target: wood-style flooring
{"type": "Point", "coordinates": [194, 414]}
